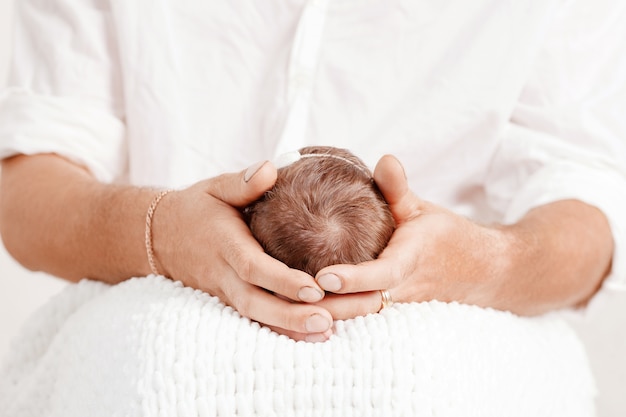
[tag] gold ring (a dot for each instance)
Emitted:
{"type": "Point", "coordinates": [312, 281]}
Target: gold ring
{"type": "Point", "coordinates": [386, 300]}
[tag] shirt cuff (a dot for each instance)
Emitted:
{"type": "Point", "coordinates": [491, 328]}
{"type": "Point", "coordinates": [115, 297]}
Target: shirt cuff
{"type": "Point", "coordinates": [77, 129]}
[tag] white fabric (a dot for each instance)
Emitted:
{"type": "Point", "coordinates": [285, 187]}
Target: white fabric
{"type": "Point", "coordinates": [150, 347]}
{"type": "Point", "coordinates": [488, 104]}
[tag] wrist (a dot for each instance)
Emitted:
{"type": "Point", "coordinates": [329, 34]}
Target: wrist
{"type": "Point", "coordinates": [118, 217]}
{"type": "Point", "coordinates": [163, 232]}
{"type": "Point", "coordinates": [150, 253]}
{"type": "Point", "coordinates": [513, 259]}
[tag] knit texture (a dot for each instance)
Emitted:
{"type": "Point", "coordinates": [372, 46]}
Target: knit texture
{"type": "Point", "coordinates": [151, 347]}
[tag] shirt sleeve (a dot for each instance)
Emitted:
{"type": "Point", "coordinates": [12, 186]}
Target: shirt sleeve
{"type": "Point", "coordinates": [567, 135]}
{"type": "Point", "coordinates": [65, 90]}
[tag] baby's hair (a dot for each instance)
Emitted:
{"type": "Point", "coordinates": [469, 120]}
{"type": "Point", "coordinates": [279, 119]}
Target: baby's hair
{"type": "Point", "coordinates": [324, 209]}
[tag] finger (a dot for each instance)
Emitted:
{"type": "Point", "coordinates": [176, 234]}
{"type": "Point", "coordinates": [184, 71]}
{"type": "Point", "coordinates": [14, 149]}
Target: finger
{"type": "Point", "coordinates": [262, 306]}
{"type": "Point", "coordinates": [348, 306]}
{"type": "Point", "coordinates": [242, 188]}
{"type": "Point", "coordinates": [388, 271]}
{"type": "Point", "coordinates": [291, 283]}
{"type": "Point", "coordinates": [247, 258]}
{"type": "Point", "coordinates": [391, 180]}
{"type": "Point", "coordinates": [305, 337]}
{"type": "Point", "coordinates": [367, 276]}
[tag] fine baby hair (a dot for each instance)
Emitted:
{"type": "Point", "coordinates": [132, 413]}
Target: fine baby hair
{"type": "Point", "coordinates": [324, 209]}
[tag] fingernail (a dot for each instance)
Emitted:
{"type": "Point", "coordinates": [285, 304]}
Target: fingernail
{"type": "Point", "coordinates": [317, 324]}
{"type": "Point", "coordinates": [253, 170]}
{"type": "Point", "coordinates": [310, 294]}
{"type": "Point", "coordinates": [329, 282]}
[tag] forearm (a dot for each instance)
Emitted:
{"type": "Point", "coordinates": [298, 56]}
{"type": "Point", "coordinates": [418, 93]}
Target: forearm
{"type": "Point", "coordinates": [559, 254]}
{"type": "Point", "coordinates": [55, 217]}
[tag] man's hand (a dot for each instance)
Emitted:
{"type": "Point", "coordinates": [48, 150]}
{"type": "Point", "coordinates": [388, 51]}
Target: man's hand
{"type": "Point", "coordinates": [201, 240]}
{"type": "Point", "coordinates": [556, 256]}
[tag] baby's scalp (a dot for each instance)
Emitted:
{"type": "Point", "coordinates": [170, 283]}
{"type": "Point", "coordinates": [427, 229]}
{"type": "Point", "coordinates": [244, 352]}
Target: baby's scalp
{"type": "Point", "coordinates": [324, 209]}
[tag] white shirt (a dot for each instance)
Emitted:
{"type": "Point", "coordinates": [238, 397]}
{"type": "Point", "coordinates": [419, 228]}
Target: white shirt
{"type": "Point", "coordinates": [494, 107]}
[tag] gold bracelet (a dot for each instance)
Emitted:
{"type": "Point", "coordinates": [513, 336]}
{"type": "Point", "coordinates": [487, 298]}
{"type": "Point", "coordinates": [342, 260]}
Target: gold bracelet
{"type": "Point", "coordinates": [149, 215]}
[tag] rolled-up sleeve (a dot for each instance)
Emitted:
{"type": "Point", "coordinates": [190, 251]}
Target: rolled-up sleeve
{"type": "Point", "coordinates": [567, 135]}
{"type": "Point", "coordinates": [65, 91]}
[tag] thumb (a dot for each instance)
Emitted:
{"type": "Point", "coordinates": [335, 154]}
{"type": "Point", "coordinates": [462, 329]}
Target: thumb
{"type": "Point", "coordinates": [391, 180]}
{"type": "Point", "coordinates": [242, 188]}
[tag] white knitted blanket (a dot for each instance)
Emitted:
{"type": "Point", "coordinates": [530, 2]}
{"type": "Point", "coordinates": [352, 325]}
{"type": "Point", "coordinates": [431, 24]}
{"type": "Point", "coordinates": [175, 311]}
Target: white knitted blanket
{"type": "Point", "coordinates": [151, 347]}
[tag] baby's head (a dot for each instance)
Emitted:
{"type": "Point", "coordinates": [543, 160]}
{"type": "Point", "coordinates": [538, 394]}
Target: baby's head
{"type": "Point", "coordinates": [323, 210]}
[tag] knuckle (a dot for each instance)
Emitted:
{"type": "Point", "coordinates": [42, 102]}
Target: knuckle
{"type": "Point", "coordinates": [244, 267]}
{"type": "Point", "coordinates": [216, 186]}
{"type": "Point", "coordinates": [400, 272]}
{"type": "Point", "coordinates": [242, 303]}
{"type": "Point", "coordinates": [244, 308]}
{"type": "Point", "coordinates": [292, 318]}
{"type": "Point", "coordinates": [288, 320]}
{"type": "Point", "coordinates": [239, 260]}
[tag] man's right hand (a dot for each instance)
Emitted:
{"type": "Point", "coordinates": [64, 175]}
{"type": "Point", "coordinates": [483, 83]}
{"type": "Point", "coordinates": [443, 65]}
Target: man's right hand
{"type": "Point", "coordinates": [200, 239]}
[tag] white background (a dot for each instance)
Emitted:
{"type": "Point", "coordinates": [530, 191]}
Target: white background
{"type": "Point", "coordinates": [604, 331]}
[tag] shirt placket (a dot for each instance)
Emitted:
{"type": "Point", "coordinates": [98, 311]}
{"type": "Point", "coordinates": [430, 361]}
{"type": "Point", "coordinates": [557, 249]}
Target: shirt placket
{"type": "Point", "coordinates": [303, 61]}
